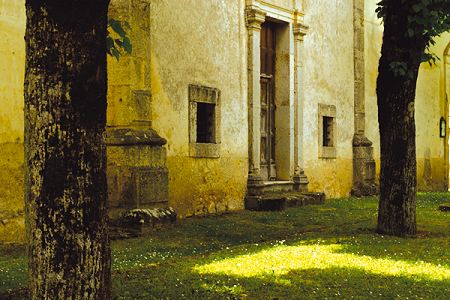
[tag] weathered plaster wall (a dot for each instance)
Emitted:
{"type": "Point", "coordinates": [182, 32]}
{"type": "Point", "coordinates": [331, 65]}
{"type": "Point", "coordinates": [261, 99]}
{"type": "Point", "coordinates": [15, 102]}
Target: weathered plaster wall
{"type": "Point", "coordinates": [430, 106]}
{"type": "Point", "coordinates": [172, 48]}
{"type": "Point", "coordinates": [129, 77]}
{"type": "Point", "coordinates": [328, 79]}
{"type": "Point", "coordinates": [287, 5]}
{"type": "Point", "coordinates": [280, 3]}
{"type": "Point", "coordinates": [12, 66]}
{"type": "Point", "coordinates": [203, 46]}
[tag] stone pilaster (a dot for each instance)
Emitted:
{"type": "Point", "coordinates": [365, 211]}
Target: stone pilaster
{"type": "Point", "coordinates": [363, 162]}
{"type": "Point", "coordinates": [300, 179]}
{"type": "Point", "coordinates": [254, 19]}
{"type": "Point", "coordinates": [136, 157]}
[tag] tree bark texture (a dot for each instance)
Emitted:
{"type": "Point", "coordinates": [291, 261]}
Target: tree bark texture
{"type": "Point", "coordinates": [65, 155]}
{"type": "Point", "coordinates": [396, 94]}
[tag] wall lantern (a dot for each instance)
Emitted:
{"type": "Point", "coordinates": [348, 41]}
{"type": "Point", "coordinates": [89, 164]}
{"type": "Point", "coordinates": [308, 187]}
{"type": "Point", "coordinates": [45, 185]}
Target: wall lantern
{"type": "Point", "coordinates": [442, 128]}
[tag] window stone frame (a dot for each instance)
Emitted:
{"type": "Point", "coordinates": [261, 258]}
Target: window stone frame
{"type": "Point", "coordinates": [204, 94]}
{"type": "Point", "coordinates": [326, 110]}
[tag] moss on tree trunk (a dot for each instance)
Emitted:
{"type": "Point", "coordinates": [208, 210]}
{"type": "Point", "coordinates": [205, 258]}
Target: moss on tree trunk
{"type": "Point", "coordinates": [65, 157]}
{"type": "Point", "coordinates": [396, 90]}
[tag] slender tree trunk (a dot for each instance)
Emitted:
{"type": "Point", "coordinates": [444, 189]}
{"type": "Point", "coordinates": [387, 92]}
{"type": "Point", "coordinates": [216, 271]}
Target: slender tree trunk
{"type": "Point", "coordinates": [396, 89]}
{"type": "Point", "coordinates": [65, 180]}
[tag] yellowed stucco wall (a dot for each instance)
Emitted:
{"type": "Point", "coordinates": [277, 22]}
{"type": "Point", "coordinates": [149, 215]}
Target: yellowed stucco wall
{"type": "Point", "coordinates": [131, 72]}
{"type": "Point", "coordinates": [172, 48]}
{"type": "Point", "coordinates": [280, 3]}
{"type": "Point", "coordinates": [430, 106]}
{"type": "Point", "coordinates": [203, 46]}
{"type": "Point", "coordinates": [12, 66]}
{"type": "Point", "coordinates": [328, 79]}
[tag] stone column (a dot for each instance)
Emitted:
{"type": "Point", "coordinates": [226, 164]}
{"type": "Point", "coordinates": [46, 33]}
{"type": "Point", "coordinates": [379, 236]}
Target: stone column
{"type": "Point", "coordinates": [254, 19]}
{"type": "Point", "coordinates": [300, 179]}
{"type": "Point", "coordinates": [363, 162]}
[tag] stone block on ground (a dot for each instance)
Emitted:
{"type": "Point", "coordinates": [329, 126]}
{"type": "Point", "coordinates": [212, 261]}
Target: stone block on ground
{"type": "Point", "coordinates": [445, 207]}
{"type": "Point", "coordinates": [279, 201]}
{"type": "Point", "coordinates": [138, 222]}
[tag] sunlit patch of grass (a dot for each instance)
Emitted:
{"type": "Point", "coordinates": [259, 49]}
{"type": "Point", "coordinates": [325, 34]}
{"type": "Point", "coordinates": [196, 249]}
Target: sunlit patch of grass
{"type": "Point", "coordinates": [224, 289]}
{"type": "Point", "coordinates": [280, 260]}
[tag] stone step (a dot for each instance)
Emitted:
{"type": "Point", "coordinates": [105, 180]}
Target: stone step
{"type": "Point", "coordinates": [277, 187]}
{"type": "Point", "coordinates": [279, 201]}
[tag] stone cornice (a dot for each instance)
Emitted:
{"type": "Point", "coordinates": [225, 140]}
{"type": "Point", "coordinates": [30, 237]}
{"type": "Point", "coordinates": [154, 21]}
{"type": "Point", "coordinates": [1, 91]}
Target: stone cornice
{"type": "Point", "coordinates": [300, 30]}
{"type": "Point", "coordinates": [254, 17]}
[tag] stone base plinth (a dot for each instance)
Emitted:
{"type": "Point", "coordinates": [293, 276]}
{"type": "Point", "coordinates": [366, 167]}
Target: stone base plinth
{"type": "Point", "coordinates": [363, 168]}
{"type": "Point", "coordinates": [136, 169]}
{"type": "Point", "coordinates": [138, 222]}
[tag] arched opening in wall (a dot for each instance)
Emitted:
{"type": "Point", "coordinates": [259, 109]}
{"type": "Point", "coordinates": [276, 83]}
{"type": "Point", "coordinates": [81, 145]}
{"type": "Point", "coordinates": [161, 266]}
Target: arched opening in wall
{"type": "Point", "coordinates": [445, 100]}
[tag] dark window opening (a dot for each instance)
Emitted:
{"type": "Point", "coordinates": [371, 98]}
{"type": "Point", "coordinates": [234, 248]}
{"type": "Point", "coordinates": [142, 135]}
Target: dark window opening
{"type": "Point", "coordinates": [327, 132]}
{"type": "Point", "coordinates": [206, 122]}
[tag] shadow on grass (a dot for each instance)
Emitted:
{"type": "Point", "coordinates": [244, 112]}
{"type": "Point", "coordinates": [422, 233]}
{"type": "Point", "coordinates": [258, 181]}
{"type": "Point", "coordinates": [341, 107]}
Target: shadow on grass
{"type": "Point", "coordinates": [434, 251]}
{"type": "Point", "coordinates": [210, 234]}
{"type": "Point", "coordinates": [321, 283]}
{"type": "Point", "coordinates": [154, 271]}
{"type": "Point", "coordinates": [165, 264]}
{"type": "Point", "coordinates": [333, 282]}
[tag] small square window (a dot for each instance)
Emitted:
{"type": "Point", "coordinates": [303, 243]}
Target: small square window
{"type": "Point", "coordinates": [205, 122]}
{"type": "Point", "coordinates": [327, 131]}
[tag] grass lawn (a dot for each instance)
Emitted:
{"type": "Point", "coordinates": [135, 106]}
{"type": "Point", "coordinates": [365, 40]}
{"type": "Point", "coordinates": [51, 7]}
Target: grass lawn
{"type": "Point", "coordinates": [328, 251]}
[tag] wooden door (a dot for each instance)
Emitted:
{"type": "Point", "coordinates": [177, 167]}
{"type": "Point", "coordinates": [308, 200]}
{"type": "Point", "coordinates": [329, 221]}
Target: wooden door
{"type": "Point", "coordinates": [268, 167]}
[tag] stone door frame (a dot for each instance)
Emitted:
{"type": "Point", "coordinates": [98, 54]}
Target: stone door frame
{"type": "Point", "coordinates": [290, 103]}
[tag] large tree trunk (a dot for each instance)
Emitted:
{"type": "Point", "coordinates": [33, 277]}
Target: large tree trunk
{"type": "Point", "coordinates": [65, 117]}
{"type": "Point", "coordinates": [396, 89]}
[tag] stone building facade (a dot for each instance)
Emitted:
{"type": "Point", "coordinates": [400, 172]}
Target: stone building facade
{"type": "Point", "coordinates": [222, 100]}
